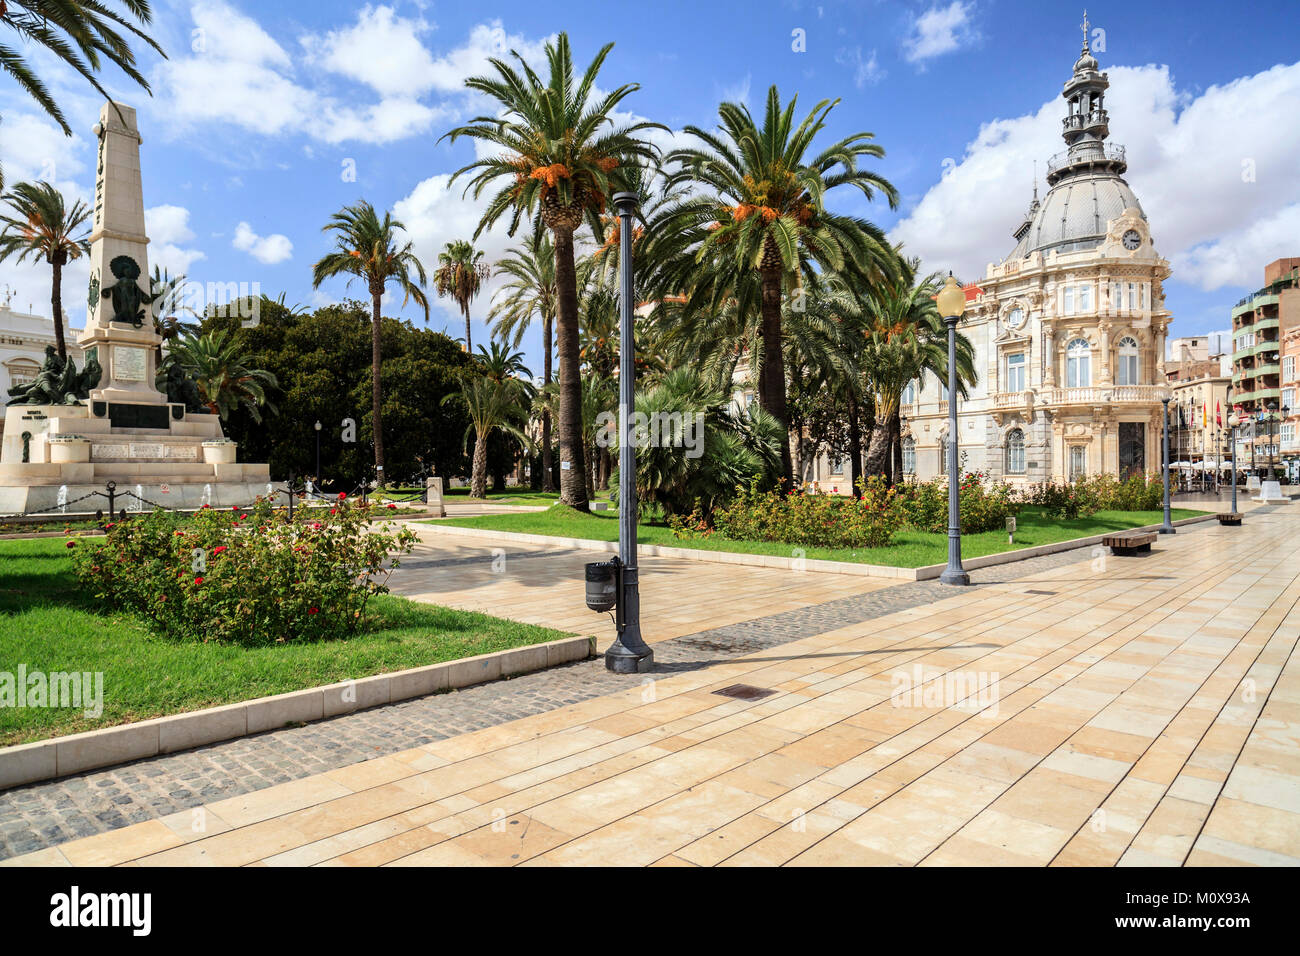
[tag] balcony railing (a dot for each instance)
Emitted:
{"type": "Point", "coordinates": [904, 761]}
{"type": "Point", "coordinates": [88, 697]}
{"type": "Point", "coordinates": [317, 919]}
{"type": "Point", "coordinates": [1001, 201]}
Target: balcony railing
{"type": "Point", "coordinates": [1086, 120]}
{"type": "Point", "coordinates": [1009, 400]}
{"type": "Point", "coordinates": [1100, 154]}
{"type": "Point", "coordinates": [1106, 395]}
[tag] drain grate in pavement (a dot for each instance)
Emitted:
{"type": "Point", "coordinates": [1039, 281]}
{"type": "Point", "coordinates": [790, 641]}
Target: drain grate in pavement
{"type": "Point", "coordinates": [744, 692]}
{"type": "Point", "coordinates": [1032, 591]}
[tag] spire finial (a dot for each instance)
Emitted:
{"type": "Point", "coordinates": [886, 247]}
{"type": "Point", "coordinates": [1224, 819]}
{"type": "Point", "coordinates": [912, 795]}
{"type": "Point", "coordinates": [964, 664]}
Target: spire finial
{"type": "Point", "coordinates": [1084, 27]}
{"type": "Point", "coordinates": [1035, 181]}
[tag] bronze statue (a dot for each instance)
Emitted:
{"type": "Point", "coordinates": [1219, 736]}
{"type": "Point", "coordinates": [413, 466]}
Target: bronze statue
{"type": "Point", "coordinates": [129, 300]}
{"type": "Point", "coordinates": [58, 382]}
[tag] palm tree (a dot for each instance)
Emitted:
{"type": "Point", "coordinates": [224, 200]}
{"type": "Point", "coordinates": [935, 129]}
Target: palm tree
{"type": "Point", "coordinates": [39, 224]}
{"type": "Point", "coordinates": [460, 274]}
{"type": "Point", "coordinates": [529, 293]}
{"type": "Point", "coordinates": [904, 337]}
{"type": "Point", "coordinates": [78, 32]}
{"type": "Point", "coordinates": [168, 303]}
{"type": "Point", "coordinates": [492, 405]}
{"type": "Point", "coordinates": [758, 210]}
{"type": "Point", "coordinates": [500, 364]}
{"type": "Point", "coordinates": [369, 248]}
{"type": "Point", "coordinates": [561, 165]}
{"type": "Point", "coordinates": [222, 373]}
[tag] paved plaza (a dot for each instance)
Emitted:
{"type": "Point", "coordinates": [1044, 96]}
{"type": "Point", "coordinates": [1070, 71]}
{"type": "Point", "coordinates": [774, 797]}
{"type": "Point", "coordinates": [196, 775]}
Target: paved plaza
{"type": "Point", "coordinates": [1076, 710]}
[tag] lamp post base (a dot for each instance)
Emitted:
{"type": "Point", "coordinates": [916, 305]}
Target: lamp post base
{"type": "Point", "coordinates": [621, 660]}
{"type": "Point", "coordinates": [954, 576]}
{"type": "Point", "coordinates": [1167, 529]}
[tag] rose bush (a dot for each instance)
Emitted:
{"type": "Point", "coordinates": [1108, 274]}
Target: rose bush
{"type": "Point", "coordinates": [247, 576]}
{"type": "Point", "coordinates": [826, 521]}
{"type": "Point", "coordinates": [985, 505]}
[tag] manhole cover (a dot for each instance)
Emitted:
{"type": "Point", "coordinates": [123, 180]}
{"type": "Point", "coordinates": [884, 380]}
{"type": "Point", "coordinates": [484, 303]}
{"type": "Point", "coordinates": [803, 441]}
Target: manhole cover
{"type": "Point", "coordinates": [744, 692]}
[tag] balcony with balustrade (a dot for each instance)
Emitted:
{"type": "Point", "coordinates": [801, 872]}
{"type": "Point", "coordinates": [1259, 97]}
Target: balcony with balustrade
{"type": "Point", "coordinates": [1106, 395]}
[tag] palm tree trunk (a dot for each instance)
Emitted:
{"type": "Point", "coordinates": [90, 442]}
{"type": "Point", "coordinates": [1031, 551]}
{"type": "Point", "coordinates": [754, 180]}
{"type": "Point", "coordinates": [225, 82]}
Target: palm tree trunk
{"type": "Point", "coordinates": [855, 445]}
{"type": "Point", "coordinates": [896, 445]}
{"type": "Point", "coordinates": [469, 346]}
{"type": "Point", "coordinates": [573, 470]}
{"type": "Point", "coordinates": [478, 476]}
{"type": "Point", "coordinates": [772, 380]}
{"type": "Point", "coordinates": [878, 451]}
{"type": "Point", "coordinates": [548, 476]}
{"type": "Point", "coordinates": [376, 391]}
{"type": "Point", "coordinates": [56, 303]}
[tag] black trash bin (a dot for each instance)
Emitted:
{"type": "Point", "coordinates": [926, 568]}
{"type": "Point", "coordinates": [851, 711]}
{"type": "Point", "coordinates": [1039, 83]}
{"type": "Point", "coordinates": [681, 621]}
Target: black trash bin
{"type": "Point", "coordinates": [602, 585]}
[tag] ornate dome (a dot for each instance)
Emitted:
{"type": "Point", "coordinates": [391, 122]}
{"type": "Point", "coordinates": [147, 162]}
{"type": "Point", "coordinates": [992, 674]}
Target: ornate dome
{"type": "Point", "coordinates": [1075, 213]}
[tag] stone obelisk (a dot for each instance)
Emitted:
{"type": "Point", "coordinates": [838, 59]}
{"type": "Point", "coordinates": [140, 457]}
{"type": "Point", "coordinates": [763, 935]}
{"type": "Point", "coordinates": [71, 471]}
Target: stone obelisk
{"type": "Point", "coordinates": [119, 319]}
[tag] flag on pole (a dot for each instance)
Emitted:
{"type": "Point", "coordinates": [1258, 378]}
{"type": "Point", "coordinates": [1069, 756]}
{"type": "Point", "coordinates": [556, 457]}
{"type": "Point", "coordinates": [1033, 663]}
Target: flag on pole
{"type": "Point", "coordinates": [1218, 414]}
{"type": "Point", "coordinates": [1205, 414]}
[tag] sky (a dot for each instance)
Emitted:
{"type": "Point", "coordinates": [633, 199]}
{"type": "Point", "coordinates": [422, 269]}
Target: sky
{"type": "Point", "coordinates": [267, 117]}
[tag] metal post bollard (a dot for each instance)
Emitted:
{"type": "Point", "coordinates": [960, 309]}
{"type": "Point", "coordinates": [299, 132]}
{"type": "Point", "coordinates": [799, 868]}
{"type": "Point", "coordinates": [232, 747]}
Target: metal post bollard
{"type": "Point", "coordinates": [112, 489]}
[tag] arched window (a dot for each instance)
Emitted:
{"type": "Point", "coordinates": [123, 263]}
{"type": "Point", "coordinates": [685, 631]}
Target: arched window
{"type": "Point", "coordinates": [909, 456]}
{"type": "Point", "coordinates": [1078, 364]}
{"type": "Point", "coordinates": [1126, 372]}
{"type": "Point", "coordinates": [1015, 452]}
{"type": "Point", "coordinates": [909, 394]}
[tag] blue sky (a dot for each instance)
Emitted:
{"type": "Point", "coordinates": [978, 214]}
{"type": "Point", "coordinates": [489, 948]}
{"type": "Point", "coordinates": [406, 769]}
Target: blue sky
{"type": "Point", "coordinates": [263, 111]}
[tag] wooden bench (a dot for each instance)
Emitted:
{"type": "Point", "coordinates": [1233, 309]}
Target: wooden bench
{"type": "Point", "coordinates": [1129, 542]}
{"type": "Point", "coordinates": [1229, 517]}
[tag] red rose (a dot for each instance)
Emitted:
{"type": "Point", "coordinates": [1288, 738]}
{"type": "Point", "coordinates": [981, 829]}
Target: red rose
{"type": "Point", "coordinates": [72, 544]}
{"type": "Point", "coordinates": [198, 580]}
{"type": "Point", "coordinates": [312, 610]}
{"type": "Point", "coordinates": [342, 496]}
{"type": "Point", "coordinates": [391, 505]}
{"type": "Point", "coordinates": [218, 550]}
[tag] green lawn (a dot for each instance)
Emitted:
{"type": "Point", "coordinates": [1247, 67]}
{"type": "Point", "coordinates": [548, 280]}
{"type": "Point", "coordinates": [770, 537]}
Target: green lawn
{"type": "Point", "coordinates": [49, 623]}
{"type": "Point", "coordinates": [911, 549]}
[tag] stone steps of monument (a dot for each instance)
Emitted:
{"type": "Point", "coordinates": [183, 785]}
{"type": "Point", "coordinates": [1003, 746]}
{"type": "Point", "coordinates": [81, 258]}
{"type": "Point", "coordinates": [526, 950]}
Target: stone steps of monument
{"type": "Point", "coordinates": [135, 468]}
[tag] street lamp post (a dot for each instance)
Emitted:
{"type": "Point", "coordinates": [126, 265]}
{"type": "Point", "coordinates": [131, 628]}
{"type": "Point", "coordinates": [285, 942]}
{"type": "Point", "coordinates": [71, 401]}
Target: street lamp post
{"type": "Point", "coordinates": [317, 427]}
{"type": "Point", "coordinates": [952, 303]}
{"type": "Point", "coordinates": [629, 654]}
{"type": "Point", "coordinates": [1167, 527]}
{"type": "Point", "coordinates": [1233, 421]}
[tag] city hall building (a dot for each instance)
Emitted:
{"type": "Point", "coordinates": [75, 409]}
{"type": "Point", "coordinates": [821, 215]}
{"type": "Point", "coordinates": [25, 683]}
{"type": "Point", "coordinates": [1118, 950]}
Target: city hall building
{"type": "Point", "coordinates": [1069, 329]}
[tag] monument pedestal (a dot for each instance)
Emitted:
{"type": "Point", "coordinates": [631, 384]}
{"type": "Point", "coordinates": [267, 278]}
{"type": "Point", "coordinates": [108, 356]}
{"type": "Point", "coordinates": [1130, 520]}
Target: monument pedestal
{"type": "Point", "coordinates": [1270, 492]}
{"type": "Point", "coordinates": [122, 429]}
{"type": "Point", "coordinates": [185, 465]}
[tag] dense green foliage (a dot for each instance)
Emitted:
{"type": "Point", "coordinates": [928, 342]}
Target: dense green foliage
{"type": "Point", "coordinates": [322, 363]}
{"type": "Point", "coordinates": [246, 576]}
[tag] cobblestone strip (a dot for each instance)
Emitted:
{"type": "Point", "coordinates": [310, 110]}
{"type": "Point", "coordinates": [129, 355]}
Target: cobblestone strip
{"type": "Point", "coordinates": [53, 812]}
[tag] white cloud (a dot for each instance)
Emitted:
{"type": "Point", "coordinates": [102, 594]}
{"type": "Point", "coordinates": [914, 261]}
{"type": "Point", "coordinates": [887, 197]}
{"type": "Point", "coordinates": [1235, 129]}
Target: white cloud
{"type": "Point", "coordinates": [1187, 159]}
{"type": "Point", "coordinates": [267, 250]}
{"type": "Point", "coordinates": [169, 230]}
{"type": "Point", "coordinates": [866, 70]}
{"type": "Point", "coordinates": [434, 214]}
{"type": "Point", "coordinates": [382, 50]}
{"type": "Point", "coordinates": [34, 148]}
{"type": "Point", "coordinates": [939, 30]}
{"type": "Point", "coordinates": [486, 40]}
{"type": "Point", "coordinates": [238, 74]}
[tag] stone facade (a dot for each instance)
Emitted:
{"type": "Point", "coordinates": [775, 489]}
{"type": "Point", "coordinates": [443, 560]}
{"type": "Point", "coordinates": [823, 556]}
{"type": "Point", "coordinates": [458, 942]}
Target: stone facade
{"type": "Point", "coordinates": [1069, 330]}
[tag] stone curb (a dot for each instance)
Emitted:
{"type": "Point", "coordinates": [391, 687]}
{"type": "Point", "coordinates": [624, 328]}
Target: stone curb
{"type": "Point", "coordinates": [924, 573]}
{"type": "Point", "coordinates": [75, 753]}
{"type": "Point", "coordinates": [931, 571]}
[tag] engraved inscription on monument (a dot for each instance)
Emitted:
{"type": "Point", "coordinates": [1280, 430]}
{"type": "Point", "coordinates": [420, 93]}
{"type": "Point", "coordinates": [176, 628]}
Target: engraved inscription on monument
{"type": "Point", "coordinates": [128, 364]}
